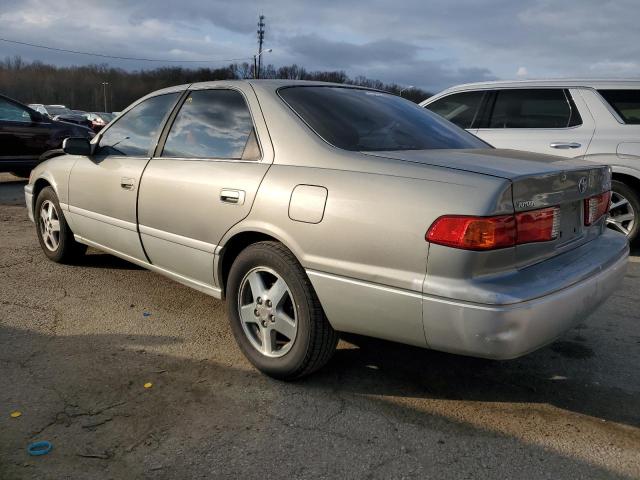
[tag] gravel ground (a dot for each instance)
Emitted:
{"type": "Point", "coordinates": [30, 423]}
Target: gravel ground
{"type": "Point", "coordinates": [76, 350]}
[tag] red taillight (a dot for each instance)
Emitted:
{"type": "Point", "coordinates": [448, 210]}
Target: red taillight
{"type": "Point", "coordinates": [596, 207]}
{"type": "Point", "coordinates": [538, 225]}
{"type": "Point", "coordinates": [473, 233]}
{"type": "Point", "coordinates": [490, 233]}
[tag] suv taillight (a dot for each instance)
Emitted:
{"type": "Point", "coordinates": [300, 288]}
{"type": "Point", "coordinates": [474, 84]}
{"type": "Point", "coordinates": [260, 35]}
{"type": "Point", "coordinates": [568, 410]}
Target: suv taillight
{"type": "Point", "coordinates": [490, 233]}
{"type": "Point", "coordinates": [595, 207]}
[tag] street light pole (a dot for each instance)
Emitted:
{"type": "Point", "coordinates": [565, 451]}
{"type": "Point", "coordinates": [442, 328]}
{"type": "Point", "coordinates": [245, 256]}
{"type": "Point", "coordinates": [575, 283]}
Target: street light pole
{"type": "Point", "coordinates": [256, 62]}
{"type": "Point", "coordinates": [104, 93]}
{"type": "Point", "coordinates": [405, 88]}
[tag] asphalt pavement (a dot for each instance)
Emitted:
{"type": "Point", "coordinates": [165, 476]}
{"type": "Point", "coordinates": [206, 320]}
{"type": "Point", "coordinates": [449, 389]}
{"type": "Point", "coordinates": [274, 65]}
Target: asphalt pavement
{"type": "Point", "coordinates": [78, 344]}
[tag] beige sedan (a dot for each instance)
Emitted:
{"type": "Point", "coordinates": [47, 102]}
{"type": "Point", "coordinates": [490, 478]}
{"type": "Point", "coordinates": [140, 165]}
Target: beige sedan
{"type": "Point", "coordinates": [318, 208]}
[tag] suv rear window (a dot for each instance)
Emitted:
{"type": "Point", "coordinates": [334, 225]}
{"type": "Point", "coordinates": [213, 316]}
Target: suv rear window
{"type": "Point", "coordinates": [367, 120]}
{"type": "Point", "coordinates": [626, 103]}
{"type": "Point", "coordinates": [534, 108]}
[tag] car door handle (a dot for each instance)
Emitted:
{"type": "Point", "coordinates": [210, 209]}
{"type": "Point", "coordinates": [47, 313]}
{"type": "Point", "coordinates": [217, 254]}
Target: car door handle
{"type": "Point", "coordinates": [128, 183]}
{"type": "Point", "coordinates": [565, 145]}
{"type": "Point", "coordinates": [228, 195]}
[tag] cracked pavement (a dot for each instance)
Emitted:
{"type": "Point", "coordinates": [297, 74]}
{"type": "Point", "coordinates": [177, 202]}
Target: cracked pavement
{"type": "Point", "coordinates": [76, 350]}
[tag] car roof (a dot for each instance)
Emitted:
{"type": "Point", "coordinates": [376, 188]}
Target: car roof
{"type": "Point", "coordinates": [556, 82]}
{"type": "Point", "coordinates": [273, 83]}
{"type": "Point", "coordinates": [15, 101]}
{"type": "Point", "coordinates": [260, 84]}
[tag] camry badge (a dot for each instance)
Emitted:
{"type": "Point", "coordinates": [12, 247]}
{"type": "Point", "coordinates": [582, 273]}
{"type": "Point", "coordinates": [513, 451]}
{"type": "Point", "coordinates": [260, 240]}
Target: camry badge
{"type": "Point", "coordinates": [582, 184]}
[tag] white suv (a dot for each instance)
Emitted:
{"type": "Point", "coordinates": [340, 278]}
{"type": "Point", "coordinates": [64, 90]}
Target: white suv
{"type": "Point", "coordinates": [598, 120]}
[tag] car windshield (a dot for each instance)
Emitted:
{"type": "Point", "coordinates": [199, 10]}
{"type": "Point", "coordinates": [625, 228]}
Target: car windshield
{"type": "Point", "coordinates": [367, 120]}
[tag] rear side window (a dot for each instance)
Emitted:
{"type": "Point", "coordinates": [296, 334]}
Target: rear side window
{"type": "Point", "coordinates": [213, 124]}
{"type": "Point", "coordinates": [533, 108]}
{"type": "Point", "coordinates": [366, 120]}
{"type": "Point", "coordinates": [459, 108]}
{"type": "Point", "coordinates": [626, 103]}
{"type": "Point", "coordinates": [10, 112]}
{"type": "Point", "coordinates": [132, 134]}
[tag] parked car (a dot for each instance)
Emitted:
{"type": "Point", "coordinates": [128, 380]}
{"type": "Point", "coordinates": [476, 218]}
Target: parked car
{"type": "Point", "coordinates": [315, 208]}
{"type": "Point", "coordinates": [594, 120]}
{"type": "Point", "coordinates": [54, 110]}
{"type": "Point", "coordinates": [26, 134]}
{"type": "Point", "coordinates": [76, 118]}
{"type": "Point", "coordinates": [99, 120]}
{"type": "Point", "coordinates": [38, 107]}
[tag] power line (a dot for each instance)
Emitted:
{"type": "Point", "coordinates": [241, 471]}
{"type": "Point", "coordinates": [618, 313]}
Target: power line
{"type": "Point", "coordinates": [121, 58]}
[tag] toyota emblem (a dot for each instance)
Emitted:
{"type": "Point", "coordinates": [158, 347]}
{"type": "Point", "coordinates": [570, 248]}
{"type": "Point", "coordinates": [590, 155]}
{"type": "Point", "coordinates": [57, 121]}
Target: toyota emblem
{"type": "Point", "coordinates": [582, 184]}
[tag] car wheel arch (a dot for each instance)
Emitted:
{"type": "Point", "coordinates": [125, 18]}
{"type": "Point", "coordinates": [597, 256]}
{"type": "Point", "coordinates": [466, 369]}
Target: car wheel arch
{"type": "Point", "coordinates": [631, 180]}
{"type": "Point", "coordinates": [236, 243]}
{"type": "Point", "coordinates": [40, 184]}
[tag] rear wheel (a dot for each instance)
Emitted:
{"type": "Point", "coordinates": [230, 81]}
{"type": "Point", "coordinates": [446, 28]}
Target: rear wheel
{"type": "Point", "coordinates": [275, 314]}
{"type": "Point", "coordinates": [55, 236]}
{"type": "Point", "coordinates": [624, 213]}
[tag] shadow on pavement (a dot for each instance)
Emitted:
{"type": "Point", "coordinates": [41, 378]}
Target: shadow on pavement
{"type": "Point", "coordinates": [84, 393]}
{"type": "Point", "coordinates": [11, 190]}
{"type": "Point", "coordinates": [384, 368]}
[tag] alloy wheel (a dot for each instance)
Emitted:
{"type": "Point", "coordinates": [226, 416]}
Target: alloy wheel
{"type": "Point", "coordinates": [267, 312]}
{"type": "Point", "coordinates": [49, 225]}
{"type": "Point", "coordinates": [622, 216]}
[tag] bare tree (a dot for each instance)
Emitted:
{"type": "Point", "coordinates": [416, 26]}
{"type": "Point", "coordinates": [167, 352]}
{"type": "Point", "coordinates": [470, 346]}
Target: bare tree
{"type": "Point", "coordinates": [80, 87]}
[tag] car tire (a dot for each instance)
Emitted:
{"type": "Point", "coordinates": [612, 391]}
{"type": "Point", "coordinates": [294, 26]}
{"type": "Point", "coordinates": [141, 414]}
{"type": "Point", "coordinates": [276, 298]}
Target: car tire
{"type": "Point", "coordinates": [21, 173]}
{"type": "Point", "coordinates": [624, 202]}
{"type": "Point", "coordinates": [54, 234]}
{"type": "Point", "coordinates": [260, 273]}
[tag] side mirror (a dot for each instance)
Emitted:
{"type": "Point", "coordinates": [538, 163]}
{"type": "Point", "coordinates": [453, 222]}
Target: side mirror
{"type": "Point", "coordinates": [76, 146]}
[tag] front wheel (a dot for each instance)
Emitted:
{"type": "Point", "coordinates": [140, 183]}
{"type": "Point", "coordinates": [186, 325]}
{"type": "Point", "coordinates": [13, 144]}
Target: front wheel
{"type": "Point", "coordinates": [55, 236]}
{"type": "Point", "coordinates": [275, 314]}
{"type": "Point", "coordinates": [624, 212]}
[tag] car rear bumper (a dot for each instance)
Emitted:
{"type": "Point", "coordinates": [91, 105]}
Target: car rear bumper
{"type": "Point", "coordinates": [511, 330]}
{"type": "Point", "coordinates": [28, 200]}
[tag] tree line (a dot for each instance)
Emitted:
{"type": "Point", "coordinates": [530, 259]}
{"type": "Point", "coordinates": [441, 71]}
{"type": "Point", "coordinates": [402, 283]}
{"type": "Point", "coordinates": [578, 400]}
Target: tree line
{"type": "Point", "coordinates": [82, 87]}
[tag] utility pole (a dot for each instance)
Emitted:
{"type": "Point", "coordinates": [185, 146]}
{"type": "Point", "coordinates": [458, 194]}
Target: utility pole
{"type": "Point", "coordinates": [104, 93]}
{"type": "Point", "coordinates": [260, 41]}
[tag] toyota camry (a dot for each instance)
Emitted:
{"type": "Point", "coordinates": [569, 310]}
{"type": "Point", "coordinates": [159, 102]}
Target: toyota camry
{"type": "Point", "coordinates": [317, 208]}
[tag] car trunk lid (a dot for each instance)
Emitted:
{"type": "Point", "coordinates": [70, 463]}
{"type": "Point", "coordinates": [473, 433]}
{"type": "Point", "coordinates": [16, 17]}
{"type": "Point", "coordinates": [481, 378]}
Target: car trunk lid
{"type": "Point", "coordinates": [538, 181]}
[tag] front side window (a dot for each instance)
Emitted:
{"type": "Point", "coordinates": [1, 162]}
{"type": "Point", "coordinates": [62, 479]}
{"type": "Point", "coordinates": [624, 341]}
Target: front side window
{"type": "Point", "coordinates": [213, 124]}
{"type": "Point", "coordinates": [459, 108]}
{"type": "Point", "coordinates": [533, 108]}
{"type": "Point", "coordinates": [626, 103]}
{"type": "Point", "coordinates": [132, 134]}
{"type": "Point", "coordinates": [365, 120]}
{"type": "Point", "coordinates": [10, 112]}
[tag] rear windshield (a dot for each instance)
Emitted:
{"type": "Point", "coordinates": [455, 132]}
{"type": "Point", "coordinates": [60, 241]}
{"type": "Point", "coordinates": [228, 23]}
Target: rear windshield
{"type": "Point", "coordinates": [626, 103]}
{"type": "Point", "coordinates": [366, 120]}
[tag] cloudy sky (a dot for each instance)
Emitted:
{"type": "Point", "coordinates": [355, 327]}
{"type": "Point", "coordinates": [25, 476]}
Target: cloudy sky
{"type": "Point", "coordinates": [427, 43]}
